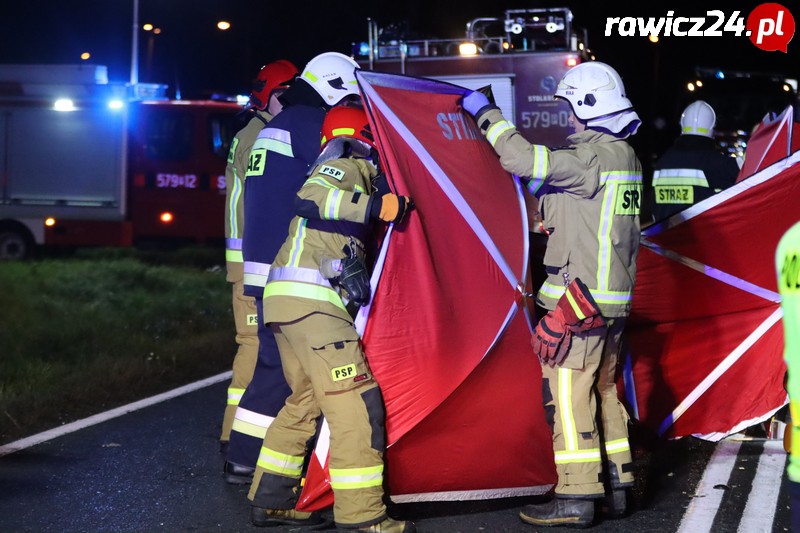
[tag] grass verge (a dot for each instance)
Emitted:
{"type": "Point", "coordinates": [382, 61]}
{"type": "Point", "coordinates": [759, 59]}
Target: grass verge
{"type": "Point", "coordinates": [87, 333]}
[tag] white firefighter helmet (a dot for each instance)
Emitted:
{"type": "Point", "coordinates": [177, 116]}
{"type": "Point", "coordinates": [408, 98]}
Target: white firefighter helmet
{"type": "Point", "coordinates": [698, 119]}
{"type": "Point", "coordinates": [332, 75]}
{"type": "Point", "coordinates": [593, 90]}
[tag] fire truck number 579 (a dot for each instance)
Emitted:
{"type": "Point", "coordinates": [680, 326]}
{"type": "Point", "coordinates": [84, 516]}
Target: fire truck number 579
{"type": "Point", "coordinates": [544, 119]}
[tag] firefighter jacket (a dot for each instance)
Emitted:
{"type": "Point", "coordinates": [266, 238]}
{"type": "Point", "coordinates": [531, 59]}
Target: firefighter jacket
{"type": "Point", "coordinates": [277, 166]}
{"type": "Point", "coordinates": [590, 196]}
{"type": "Point", "coordinates": [690, 171]}
{"type": "Point", "coordinates": [333, 207]}
{"type": "Point", "coordinates": [234, 192]}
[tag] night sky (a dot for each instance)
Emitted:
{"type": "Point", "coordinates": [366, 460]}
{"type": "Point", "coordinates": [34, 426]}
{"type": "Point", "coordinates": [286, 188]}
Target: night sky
{"type": "Point", "coordinates": [193, 55]}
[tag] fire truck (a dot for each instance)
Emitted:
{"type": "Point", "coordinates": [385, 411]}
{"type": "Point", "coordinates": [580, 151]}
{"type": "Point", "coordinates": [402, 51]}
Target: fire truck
{"type": "Point", "coordinates": [522, 55]}
{"type": "Point", "coordinates": [88, 162]}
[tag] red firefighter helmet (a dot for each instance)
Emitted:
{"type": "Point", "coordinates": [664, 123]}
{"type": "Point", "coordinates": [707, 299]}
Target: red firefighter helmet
{"type": "Point", "coordinates": [346, 121]}
{"type": "Point", "coordinates": [275, 75]}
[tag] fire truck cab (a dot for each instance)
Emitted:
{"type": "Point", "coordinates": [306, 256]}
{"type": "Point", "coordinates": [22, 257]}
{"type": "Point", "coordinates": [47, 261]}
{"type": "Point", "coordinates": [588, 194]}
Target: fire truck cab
{"type": "Point", "coordinates": [89, 162]}
{"type": "Point", "coordinates": [522, 55]}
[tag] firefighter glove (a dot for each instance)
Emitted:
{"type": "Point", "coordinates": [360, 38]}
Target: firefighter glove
{"type": "Point", "coordinates": [551, 340]}
{"type": "Point", "coordinates": [354, 277]}
{"type": "Point", "coordinates": [476, 103]}
{"type": "Point", "coordinates": [577, 308]}
{"type": "Point", "coordinates": [390, 207]}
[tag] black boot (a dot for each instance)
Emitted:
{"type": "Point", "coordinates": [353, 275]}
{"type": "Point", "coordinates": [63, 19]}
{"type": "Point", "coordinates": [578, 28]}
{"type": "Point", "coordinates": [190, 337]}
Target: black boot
{"type": "Point", "coordinates": [261, 517]}
{"type": "Point", "coordinates": [560, 512]}
{"type": "Point", "coordinates": [614, 504]}
{"type": "Point", "coordinates": [237, 474]}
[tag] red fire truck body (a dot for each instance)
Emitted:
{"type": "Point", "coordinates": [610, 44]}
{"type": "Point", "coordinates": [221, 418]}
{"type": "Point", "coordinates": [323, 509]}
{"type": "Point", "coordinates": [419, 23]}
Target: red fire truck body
{"type": "Point", "coordinates": [85, 163]}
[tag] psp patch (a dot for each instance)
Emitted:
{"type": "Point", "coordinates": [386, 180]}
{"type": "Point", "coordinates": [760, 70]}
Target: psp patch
{"type": "Point", "coordinates": [341, 373]}
{"type": "Point", "coordinates": [333, 172]}
{"type": "Point", "coordinates": [252, 320]}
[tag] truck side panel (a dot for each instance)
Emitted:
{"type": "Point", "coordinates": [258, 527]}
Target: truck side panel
{"type": "Point", "coordinates": [67, 164]}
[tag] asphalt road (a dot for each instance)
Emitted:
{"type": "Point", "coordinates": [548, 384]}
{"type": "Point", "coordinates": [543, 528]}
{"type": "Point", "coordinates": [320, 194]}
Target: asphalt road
{"type": "Point", "coordinates": [158, 469]}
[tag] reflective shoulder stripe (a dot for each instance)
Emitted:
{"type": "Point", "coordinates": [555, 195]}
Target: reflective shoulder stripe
{"type": "Point", "coordinates": [497, 129]}
{"type": "Point", "coordinates": [620, 176]}
{"type": "Point", "coordinates": [275, 140]}
{"type": "Point", "coordinates": [680, 176]}
{"type": "Point", "coordinates": [322, 182]}
{"type": "Point", "coordinates": [356, 478]}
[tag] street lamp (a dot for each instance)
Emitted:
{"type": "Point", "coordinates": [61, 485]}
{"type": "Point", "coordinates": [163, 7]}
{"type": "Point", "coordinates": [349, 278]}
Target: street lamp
{"type": "Point", "coordinates": [152, 31]}
{"type": "Point", "coordinates": [223, 25]}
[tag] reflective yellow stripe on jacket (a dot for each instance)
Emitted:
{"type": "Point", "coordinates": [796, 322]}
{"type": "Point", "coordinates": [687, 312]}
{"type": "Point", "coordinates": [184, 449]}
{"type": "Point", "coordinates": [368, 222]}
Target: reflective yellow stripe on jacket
{"type": "Point", "coordinates": [301, 283]}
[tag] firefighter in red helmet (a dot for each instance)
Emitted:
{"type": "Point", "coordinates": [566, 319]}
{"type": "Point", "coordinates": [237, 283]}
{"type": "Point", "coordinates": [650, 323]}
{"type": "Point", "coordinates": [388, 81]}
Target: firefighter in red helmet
{"type": "Point", "coordinates": [316, 280]}
{"type": "Point", "coordinates": [272, 79]}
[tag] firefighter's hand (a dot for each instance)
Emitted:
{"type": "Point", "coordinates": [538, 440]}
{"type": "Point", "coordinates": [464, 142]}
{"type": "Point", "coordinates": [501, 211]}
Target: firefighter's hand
{"type": "Point", "coordinates": [390, 207]}
{"type": "Point", "coordinates": [551, 340]}
{"type": "Point", "coordinates": [476, 103]}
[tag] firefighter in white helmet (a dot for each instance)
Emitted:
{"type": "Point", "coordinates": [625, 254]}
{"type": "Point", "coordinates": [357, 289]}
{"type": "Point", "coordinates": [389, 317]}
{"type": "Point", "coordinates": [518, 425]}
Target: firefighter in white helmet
{"type": "Point", "coordinates": [270, 82]}
{"type": "Point", "coordinates": [318, 274]}
{"type": "Point", "coordinates": [692, 169]}
{"type": "Point", "coordinates": [279, 160]}
{"type": "Point", "coordinates": [589, 197]}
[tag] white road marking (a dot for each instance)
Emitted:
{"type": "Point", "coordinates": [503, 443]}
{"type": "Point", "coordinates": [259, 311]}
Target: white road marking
{"type": "Point", "coordinates": [699, 517]}
{"type": "Point", "coordinates": [759, 513]}
{"type": "Point", "coordinates": [60, 431]}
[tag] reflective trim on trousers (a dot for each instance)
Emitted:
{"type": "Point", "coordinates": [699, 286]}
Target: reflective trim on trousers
{"type": "Point", "coordinates": [581, 456]}
{"type": "Point", "coordinates": [617, 446]}
{"type": "Point", "coordinates": [280, 463]}
{"type": "Point", "coordinates": [251, 423]}
{"type": "Point", "coordinates": [356, 478]}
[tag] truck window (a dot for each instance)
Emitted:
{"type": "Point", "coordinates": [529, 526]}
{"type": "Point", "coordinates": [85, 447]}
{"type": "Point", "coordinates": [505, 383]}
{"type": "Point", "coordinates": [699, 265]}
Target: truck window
{"type": "Point", "coordinates": [168, 136]}
{"type": "Point", "coordinates": [222, 128]}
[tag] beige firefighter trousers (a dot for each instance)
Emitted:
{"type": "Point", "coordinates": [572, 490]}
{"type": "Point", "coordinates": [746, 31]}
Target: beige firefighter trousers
{"type": "Point", "coordinates": [570, 391]}
{"type": "Point", "coordinates": [325, 367]}
{"type": "Point", "coordinates": [244, 362]}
